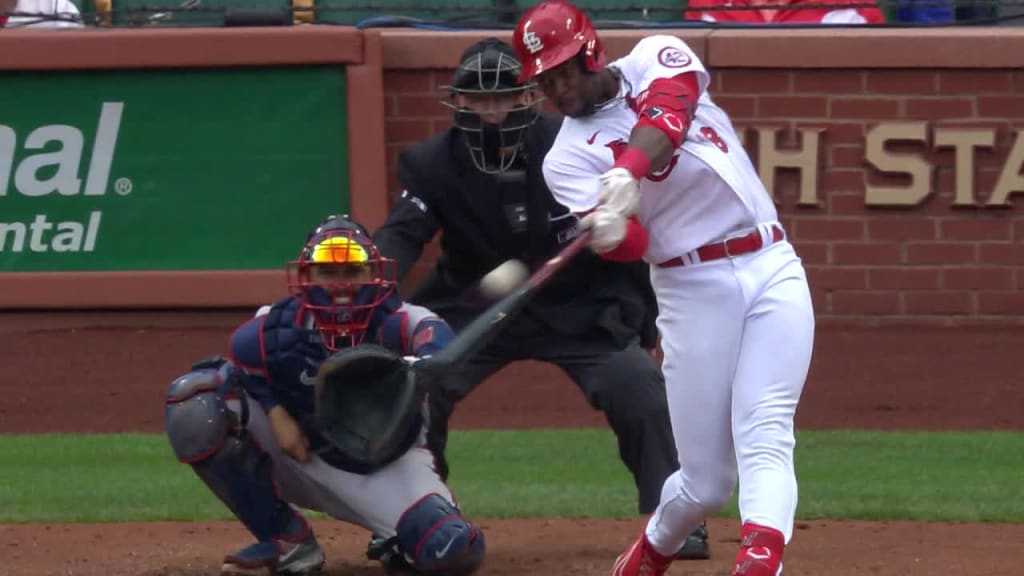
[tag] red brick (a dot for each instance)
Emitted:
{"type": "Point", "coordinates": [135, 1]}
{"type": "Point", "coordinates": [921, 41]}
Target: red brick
{"type": "Point", "coordinates": [1018, 229]}
{"type": "Point", "coordinates": [903, 278]}
{"type": "Point", "coordinates": [792, 107]}
{"type": "Point", "coordinates": [440, 125]}
{"type": "Point", "coordinates": [1001, 106]}
{"type": "Point", "coordinates": [832, 277]}
{"type": "Point", "coordinates": [974, 229]}
{"type": "Point", "coordinates": [901, 228]}
{"type": "Point", "coordinates": [1011, 253]}
{"type": "Point", "coordinates": [901, 82]}
{"type": "Point", "coordinates": [738, 106]}
{"type": "Point", "coordinates": [945, 302]}
{"type": "Point", "coordinates": [978, 278]}
{"type": "Point", "coordinates": [841, 204]}
{"type": "Point", "coordinates": [819, 228]}
{"type": "Point", "coordinates": [867, 108]}
{"type": "Point", "coordinates": [1006, 303]}
{"type": "Point", "coordinates": [984, 183]}
{"type": "Point", "coordinates": [812, 252]}
{"type": "Point", "coordinates": [865, 302]}
{"type": "Point", "coordinates": [847, 157]}
{"type": "Point", "coordinates": [841, 180]}
{"type": "Point", "coordinates": [821, 300]}
{"type": "Point", "coordinates": [878, 254]}
{"type": "Point", "coordinates": [828, 82]}
{"type": "Point", "coordinates": [941, 253]}
{"type": "Point", "coordinates": [842, 132]}
{"type": "Point", "coordinates": [1020, 278]}
{"type": "Point", "coordinates": [408, 82]}
{"type": "Point", "coordinates": [974, 81]}
{"type": "Point", "coordinates": [421, 106]}
{"type": "Point", "coordinates": [938, 108]}
{"type": "Point", "coordinates": [754, 81]}
{"type": "Point", "coordinates": [407, 131]}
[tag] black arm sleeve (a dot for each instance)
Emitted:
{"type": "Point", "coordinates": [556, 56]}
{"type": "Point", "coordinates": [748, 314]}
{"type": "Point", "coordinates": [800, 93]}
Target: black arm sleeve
{"type": "Point", "coordinates": [409, 228]}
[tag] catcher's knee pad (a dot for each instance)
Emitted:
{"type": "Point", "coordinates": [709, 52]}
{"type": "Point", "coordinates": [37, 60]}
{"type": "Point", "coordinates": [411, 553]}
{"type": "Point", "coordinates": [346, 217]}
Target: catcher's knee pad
{"type": "Point", "coordinates": [197, 418]}
{"type": "Point", "coordinates": [438, 540]}
{"type": "Point", "coordinates": [205, 434]}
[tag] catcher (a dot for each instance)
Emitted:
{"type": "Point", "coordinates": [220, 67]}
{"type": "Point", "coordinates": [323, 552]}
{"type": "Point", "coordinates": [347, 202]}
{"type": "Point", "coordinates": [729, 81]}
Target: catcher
{"type": "Point", "coordinates": [318, 408]}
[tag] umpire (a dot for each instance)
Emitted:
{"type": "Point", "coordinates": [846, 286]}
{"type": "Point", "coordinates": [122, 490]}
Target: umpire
{"type": "Point", "coordinates": [480, 185]}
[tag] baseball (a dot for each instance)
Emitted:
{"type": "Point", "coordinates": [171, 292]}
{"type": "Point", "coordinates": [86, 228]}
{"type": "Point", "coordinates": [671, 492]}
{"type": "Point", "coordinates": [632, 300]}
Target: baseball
{"type": "Point", "coordinates": [501, 281]}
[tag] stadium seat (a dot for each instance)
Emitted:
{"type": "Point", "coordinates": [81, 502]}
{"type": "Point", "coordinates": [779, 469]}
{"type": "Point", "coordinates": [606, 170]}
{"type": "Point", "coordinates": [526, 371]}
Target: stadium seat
{"type": "Point", "coordinates": [353, 12]}
{"type": "Point", "coordinates": [171, 13]}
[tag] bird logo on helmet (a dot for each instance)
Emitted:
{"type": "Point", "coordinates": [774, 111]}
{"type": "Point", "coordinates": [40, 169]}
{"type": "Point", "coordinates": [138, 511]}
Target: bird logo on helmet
{"type": "Point", "coordinates": [341, 279]}
{"type": "Point", "coordinates": [492, 108]}
{"type": "Point", "coordinates": [554, 32]}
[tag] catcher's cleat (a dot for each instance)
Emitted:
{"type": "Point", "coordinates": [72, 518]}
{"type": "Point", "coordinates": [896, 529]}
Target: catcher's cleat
{"type": "Point", "coordinates": [641, 559]}
{"type": "Point", "coordinates": [696, 546]}
{"type": "Point", "coordinates": [276, 557]}
{"type": "Point", "coordinates": [386, 551]}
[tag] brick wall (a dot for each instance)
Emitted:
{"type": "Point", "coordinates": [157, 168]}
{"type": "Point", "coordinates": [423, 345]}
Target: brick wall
{"type": "Point", "coordinates": [931, 262]}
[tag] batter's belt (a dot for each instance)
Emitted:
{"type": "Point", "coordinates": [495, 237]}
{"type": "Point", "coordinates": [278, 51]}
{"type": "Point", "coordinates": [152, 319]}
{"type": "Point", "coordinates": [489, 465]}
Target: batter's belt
{"type": "Point", "coordinates": [730, 247]}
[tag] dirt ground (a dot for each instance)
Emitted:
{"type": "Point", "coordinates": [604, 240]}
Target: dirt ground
{"type": "Point", "coordinates": [93, 372]}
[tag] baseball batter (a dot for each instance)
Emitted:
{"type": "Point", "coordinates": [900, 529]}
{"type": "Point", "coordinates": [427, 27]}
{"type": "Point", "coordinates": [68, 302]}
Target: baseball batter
{"type": "Point", "coordinates": [247, 427]}
{"type": "Point", "coordinates": [655, 166]}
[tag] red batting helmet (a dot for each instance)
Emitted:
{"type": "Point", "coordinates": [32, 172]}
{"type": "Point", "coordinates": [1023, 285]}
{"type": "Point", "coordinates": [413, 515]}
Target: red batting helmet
{"type": "Point", "coordinates": [553, 32]}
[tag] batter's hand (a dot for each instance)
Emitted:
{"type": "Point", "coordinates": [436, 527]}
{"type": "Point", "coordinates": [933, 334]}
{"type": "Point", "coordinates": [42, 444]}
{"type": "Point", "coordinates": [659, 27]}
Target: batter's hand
{"type": "Point", "coordinates": [288, 434]}
{"type": "Point", "coordinates": [619, 191]}
{"type": "Point", "coordinates": [608, 228]}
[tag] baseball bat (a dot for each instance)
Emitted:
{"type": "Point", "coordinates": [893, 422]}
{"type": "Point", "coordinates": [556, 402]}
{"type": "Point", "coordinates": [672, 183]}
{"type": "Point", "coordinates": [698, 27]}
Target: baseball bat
{"type": "Point", "coordinates": [485, 327]}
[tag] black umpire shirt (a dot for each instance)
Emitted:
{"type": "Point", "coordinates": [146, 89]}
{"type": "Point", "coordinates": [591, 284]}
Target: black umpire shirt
{"type": "Point", "coordinates": [486, 219]}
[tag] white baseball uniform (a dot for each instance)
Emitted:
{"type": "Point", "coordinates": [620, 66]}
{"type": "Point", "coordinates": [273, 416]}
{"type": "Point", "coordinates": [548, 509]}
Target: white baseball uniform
{"type": "Point", "coordinates": [737, 331]}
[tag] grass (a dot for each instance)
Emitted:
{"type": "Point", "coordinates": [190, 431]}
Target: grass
{"type": "Point", "coordinates": [962, 476]}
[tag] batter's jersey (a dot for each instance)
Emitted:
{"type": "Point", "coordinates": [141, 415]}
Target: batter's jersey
{"type": "Point", "coordinates": [708, 190]}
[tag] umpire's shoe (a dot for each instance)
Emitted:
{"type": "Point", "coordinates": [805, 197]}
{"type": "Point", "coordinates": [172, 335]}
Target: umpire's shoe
{"type": "Point", "coordinates": [276, 557]}
{"type": "Point", "coordinates": [696, 546]}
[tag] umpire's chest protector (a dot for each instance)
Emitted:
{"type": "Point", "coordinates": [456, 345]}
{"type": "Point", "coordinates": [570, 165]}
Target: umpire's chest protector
{"type": "Point", "coordinates": [485, 219]}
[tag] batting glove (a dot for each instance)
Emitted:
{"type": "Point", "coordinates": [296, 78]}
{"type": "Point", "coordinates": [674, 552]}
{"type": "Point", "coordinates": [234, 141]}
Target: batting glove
{"type": "Point", "coordinates": [619, 191]}
{"type": "Point", "coordinates": [608, 228]}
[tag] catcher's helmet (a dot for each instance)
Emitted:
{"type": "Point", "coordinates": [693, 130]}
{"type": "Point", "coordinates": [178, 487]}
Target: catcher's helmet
{"type": "Point", "coordinates": [490, 68]}
{"type": "Point", "coordinates": [341, 278]}
{"type": "Point", "coordinates": [553, 32]}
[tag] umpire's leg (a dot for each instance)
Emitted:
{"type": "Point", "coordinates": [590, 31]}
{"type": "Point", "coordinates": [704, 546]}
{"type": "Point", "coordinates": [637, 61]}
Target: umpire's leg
{"type": "Point", "coordinates": [451, 391]}
{"type": "Point", "coordinates": [627, 385]}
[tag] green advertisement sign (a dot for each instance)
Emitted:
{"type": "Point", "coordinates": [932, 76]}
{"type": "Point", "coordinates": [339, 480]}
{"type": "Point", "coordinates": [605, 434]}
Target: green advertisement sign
{"type": "Point", "coordinates": [168, 170]}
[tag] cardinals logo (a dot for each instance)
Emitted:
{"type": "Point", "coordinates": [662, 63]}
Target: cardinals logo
{"type": "Point", "coordinates": [619, 146]}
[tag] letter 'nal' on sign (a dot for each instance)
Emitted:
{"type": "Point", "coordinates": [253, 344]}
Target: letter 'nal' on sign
{"type": "Point", "coordinates": [168, 170]}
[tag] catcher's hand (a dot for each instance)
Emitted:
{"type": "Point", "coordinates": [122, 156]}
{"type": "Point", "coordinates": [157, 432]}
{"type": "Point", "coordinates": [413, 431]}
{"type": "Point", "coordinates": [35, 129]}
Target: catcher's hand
{"type": "Point", "coordinates": [368, 406]}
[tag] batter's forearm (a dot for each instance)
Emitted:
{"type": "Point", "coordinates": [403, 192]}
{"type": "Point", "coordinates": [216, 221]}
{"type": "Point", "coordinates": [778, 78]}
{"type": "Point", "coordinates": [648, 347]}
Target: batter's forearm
{"type": "Point", "coordinates": [654, 144]}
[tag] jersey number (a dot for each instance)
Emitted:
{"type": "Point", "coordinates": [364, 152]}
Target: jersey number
{"type": "Point", "coordinates": [709, 133]}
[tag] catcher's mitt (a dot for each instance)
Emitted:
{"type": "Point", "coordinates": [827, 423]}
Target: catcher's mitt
{"type": "Point", "coordinates": [368, 406]}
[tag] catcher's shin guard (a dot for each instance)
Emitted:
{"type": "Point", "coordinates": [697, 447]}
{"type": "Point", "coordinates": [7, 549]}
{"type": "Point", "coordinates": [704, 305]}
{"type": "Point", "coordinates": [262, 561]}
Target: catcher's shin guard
{"type": "Point", "coordinates": [760, 551]}
{"type": "Point", "coordinates": [437, 540]}
{"type": "Point", "coordinates": [205, 434]}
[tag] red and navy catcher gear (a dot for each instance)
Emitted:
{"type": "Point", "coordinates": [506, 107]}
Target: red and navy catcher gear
{"type": "Point", "coordinates": [341, 278]}
{"type": "Point", "coordinates": [554, 32]}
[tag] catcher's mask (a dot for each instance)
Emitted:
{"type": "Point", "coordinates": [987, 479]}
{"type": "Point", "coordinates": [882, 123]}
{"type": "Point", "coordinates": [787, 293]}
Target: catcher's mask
{"type": "Point", "coordinates": [492, 108]}
{"type": "Point", "coordinates": [341, 277]}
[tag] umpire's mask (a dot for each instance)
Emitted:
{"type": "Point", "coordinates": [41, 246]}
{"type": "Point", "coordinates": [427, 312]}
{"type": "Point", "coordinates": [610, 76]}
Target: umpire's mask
{"type": "Point", "coordinates": [492, 109]}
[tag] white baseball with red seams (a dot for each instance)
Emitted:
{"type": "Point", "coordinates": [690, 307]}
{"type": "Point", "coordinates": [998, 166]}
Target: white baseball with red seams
{"type": "Point", "coordinates": [737, 331]}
